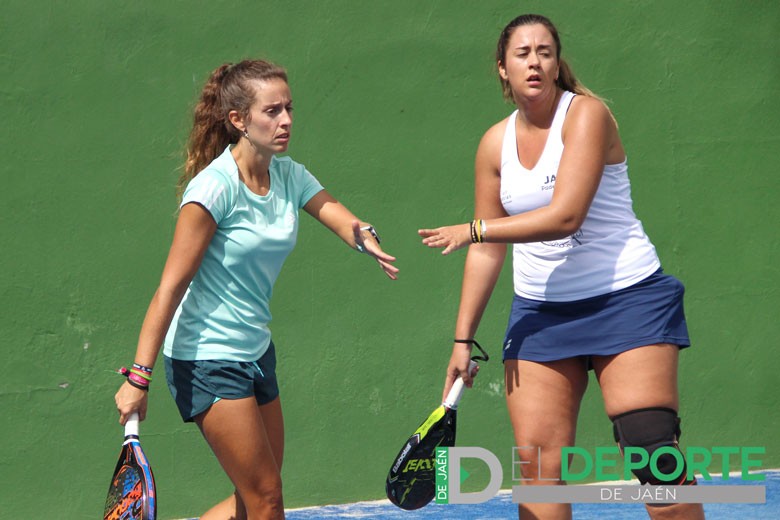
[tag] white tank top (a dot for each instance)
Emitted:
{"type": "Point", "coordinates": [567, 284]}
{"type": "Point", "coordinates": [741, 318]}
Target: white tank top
{"type": "Point", "coordinates": [609, 252]}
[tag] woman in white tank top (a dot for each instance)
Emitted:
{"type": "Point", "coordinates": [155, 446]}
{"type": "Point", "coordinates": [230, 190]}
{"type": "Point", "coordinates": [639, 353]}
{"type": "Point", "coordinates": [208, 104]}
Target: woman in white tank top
{"type": "Point", "coordinates": [551, 179]}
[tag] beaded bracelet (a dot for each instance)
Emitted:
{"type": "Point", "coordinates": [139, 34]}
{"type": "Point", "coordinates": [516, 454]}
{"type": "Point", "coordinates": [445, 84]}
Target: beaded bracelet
{"type": "Point", "coordinates": [142, 368]}
{"type": "Point", "coordinates": [477, 231]}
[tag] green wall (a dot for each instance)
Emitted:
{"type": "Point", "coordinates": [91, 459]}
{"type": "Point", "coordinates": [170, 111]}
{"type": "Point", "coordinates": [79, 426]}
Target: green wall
{"type": "Point", "coordinates": [391, 100]}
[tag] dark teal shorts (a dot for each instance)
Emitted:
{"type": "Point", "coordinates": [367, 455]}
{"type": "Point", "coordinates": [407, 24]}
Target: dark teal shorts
{"type": "Point", "coordinates": [196, 385]}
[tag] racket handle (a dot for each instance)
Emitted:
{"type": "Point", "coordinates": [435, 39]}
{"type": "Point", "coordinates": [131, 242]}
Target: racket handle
{"type": "Point", "coordinates": [456, 391]}
{"type": "Point", "coordinates": [131, 426]}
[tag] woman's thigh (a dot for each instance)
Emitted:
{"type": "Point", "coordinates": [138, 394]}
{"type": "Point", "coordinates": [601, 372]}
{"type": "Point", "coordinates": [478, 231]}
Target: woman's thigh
{"type": "Point", "coordinates": [543, 401]}
{"type": "Point", "coordinates": [638, 378]}
{"type": "Point", "coordinates": [274, 428]}
{"type": "Point", "coordinates": [237, 433]}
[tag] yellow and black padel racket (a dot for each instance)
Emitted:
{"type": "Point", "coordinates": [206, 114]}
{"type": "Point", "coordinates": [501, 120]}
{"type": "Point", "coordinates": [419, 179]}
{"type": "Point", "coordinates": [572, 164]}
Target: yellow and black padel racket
{"type": "Point", "coordinates": [411, 482]}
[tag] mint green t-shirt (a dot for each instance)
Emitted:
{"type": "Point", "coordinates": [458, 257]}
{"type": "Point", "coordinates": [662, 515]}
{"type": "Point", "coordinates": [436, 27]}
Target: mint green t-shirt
{"type": "Point", "coordinates": [225, 312]}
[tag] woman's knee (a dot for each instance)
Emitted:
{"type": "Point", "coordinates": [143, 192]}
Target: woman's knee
{"type": "Point", "coordinates": [264, 498]}
{"type": "Point", "coordinates": [538, 464]}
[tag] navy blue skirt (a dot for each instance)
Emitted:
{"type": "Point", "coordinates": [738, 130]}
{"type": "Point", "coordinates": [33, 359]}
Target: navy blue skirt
{"type": "Point", "coordinates": [647, 313]}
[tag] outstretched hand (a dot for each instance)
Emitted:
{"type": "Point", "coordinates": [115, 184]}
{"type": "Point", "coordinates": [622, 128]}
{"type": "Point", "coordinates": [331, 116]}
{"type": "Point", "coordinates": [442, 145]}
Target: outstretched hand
{"type": "Point", "coordinates": [366, 242]}
{"type": "Point", "coordinates": [450, 238]}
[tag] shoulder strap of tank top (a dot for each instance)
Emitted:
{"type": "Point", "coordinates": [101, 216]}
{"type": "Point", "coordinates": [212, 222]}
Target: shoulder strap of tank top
{"type": "Point", "coordinates": [509, 146]}
{"type": "Point", "coordinates": [560, 113]}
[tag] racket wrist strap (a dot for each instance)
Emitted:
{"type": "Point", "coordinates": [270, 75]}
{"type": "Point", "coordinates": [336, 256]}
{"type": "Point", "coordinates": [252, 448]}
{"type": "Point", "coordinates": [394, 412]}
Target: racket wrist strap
{"type": "Point", "coordinates": [471, 341]}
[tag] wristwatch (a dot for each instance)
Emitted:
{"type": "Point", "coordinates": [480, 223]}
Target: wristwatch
{"type": "Point", "coordinates": [374, 234]}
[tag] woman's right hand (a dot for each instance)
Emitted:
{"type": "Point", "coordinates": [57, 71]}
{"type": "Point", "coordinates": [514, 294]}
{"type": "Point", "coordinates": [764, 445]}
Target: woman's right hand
{"type": "Point", "coordinates": [449, 238]}
{"type": "Point", "coordinates": [459, 367]}
{"type": "Point", "coordinates": [372, 248]}
{"type": "Point", "coordinates": [130, 399]}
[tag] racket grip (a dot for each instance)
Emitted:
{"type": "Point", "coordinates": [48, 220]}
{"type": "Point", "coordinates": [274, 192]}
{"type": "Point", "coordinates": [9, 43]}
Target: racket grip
{"type": "Point", "coordinates": [131, 426]}
{"type": "Point", "coordinates": [456, 391]}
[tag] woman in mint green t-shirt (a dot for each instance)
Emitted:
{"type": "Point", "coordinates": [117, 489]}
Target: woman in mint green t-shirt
{"type": "Point", "coordinates": [238, 221]}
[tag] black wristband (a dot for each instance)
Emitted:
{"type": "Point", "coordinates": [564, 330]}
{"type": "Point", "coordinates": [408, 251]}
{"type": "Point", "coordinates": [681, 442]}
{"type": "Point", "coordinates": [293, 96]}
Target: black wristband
{"type": "Point", "coordinates": [133, 383]}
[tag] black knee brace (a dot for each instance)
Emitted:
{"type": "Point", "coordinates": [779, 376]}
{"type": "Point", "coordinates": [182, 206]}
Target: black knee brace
{"type": "Point", "coordinates": [651, 429]}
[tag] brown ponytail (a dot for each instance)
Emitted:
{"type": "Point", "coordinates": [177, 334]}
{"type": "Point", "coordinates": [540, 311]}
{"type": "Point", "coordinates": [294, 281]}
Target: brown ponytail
{"type": "Point", "coordinates": [228, 88]}
{"type": "Point", "coordinates": [567, 80]}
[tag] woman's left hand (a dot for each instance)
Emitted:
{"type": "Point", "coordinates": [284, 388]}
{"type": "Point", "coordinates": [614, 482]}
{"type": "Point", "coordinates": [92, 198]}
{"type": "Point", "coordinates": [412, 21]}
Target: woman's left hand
{"type": "Point", "coordinates": [366, 243]}
{"type": "Point", "coordinates": [451, 238]}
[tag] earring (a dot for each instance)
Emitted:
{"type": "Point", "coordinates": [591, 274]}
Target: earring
{"type": "Point", "coordinates": [246, 134]}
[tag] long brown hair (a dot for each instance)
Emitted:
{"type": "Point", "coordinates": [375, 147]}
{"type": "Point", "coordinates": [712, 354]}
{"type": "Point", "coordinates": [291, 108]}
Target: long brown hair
{"type": "Point", "coordinates": [228, 88]}
{"type": "Point", "coordinates": [566, 78]}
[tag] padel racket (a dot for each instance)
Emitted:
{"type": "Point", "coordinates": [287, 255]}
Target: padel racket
{"type": "Point", "coordinates": [411, 483]}
{"type": "Point", "coordinates": [132, 494]}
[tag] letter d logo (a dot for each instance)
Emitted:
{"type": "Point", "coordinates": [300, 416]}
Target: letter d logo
{"type": "Point", "coordinates": [496, 475]}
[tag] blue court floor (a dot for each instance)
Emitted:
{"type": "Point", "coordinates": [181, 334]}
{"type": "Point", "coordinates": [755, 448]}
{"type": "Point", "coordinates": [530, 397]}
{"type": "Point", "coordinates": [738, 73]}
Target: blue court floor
{"type": "Point", "coordinates": [501, 507]}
